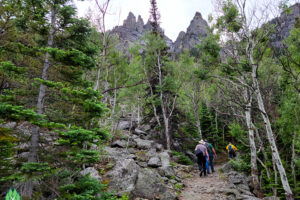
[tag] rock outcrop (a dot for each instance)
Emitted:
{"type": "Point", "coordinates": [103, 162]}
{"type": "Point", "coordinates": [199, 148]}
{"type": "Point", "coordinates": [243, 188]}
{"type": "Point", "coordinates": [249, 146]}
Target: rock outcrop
{"type": "Point", "coordinates": [133, 29]}
{"type": "Point", "coordinates": [196, 30]}
{"type": "Point", "coordinates": [138, 167]}
{"type": "Point", "coordinates": [283, 25]}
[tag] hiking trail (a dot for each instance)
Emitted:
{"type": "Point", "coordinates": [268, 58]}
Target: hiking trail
{"type": "Point", "coordinates": [200, 188]}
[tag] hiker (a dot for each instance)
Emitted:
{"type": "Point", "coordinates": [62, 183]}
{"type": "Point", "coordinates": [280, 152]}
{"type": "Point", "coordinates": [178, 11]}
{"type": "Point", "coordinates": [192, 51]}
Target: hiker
{"type": "Point", "coordinates": [211, 155]}
{"type": "Point", "coordinates": [201, 152]}
{"type": "Point", "coordinates": [231, 150]}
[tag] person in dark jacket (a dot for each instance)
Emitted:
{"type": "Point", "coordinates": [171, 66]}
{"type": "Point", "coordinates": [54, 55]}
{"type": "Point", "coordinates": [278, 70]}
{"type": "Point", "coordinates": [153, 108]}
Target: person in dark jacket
{"type": "Point", "coordinates": [201, 148]}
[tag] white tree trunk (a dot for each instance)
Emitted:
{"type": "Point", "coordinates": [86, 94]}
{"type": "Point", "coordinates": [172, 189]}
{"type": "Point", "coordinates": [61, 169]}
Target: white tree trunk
{"type": "Point", "coordinates": [163, 106]}
{"type": "Point", "coordinates": [196, 113]}
{"type": "Point", "coordinates": [275, 153]}
{"type": "Point", "coordinates": [254, 171]}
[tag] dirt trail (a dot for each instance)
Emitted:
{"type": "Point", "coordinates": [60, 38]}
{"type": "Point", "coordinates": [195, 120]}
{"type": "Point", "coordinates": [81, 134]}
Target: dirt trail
{"type": "Point", "coordinates": [203, 188]}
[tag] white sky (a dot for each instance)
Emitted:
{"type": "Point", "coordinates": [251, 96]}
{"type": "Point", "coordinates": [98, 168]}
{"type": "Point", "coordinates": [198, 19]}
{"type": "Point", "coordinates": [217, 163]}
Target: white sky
{"type": "Point", "coordinates": [175, 14]}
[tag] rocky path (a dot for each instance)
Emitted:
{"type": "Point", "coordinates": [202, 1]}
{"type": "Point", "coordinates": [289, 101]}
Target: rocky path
{"type": "Point", "coordinates": [203, 188]}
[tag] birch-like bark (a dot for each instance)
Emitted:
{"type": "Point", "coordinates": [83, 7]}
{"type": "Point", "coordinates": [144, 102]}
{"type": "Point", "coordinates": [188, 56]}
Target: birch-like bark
{"type": "Point", "coordinates": [35, 136]}
{"type": "Point", "coordinates": [254, 171]}
{"type": "Point", "coordinates": [163, 106]}
{"type": "Point", "coordinates": [196, 113]}
{"type": "Point", "coordinates": [275, 153]}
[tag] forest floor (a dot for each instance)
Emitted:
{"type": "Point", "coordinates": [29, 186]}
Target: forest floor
{"type": "Point", "coordinates": [200, 188]}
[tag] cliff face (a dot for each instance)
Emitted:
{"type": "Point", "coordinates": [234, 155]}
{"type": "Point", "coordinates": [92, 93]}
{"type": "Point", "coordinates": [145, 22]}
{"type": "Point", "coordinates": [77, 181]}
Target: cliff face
{"type": "Point", "coordinates": [283, 25]}
{"type": "Point", "coordinates": [133, 29]}
{"type": "Point", "coordinates": [196, 30]}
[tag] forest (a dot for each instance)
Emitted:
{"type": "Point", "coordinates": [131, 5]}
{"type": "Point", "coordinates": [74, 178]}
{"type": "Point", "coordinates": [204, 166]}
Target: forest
{"type": "Point", "coordinates": [68, 86]}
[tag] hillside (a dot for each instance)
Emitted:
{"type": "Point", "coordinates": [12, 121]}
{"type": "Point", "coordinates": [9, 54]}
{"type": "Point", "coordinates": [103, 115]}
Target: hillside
{"type": "Point", "coordinates": [93, 114]}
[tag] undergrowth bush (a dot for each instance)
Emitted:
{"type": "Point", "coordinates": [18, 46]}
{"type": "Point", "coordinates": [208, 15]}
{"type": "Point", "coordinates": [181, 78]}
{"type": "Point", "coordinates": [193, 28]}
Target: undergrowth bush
{"type": "Point", "coordinates": [183, 159]}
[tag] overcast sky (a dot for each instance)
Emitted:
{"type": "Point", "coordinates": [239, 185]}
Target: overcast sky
{"type": "Point", "coordinates": [175, 14]}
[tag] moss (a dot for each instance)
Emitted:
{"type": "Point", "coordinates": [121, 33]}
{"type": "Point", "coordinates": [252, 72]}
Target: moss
{"type": "Point", "coordinates": [5, 135]}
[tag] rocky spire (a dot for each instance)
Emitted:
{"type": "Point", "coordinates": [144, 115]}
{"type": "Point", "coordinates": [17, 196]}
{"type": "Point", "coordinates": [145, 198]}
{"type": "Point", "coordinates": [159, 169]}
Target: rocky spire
{"type": "Point", "coordinates": [140, 24]}
{"type": "Point", "coordinates": [196, 30]}
{"type": "Point", "coordinates": [130, 22]}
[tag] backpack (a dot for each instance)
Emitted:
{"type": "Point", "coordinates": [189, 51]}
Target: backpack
{"type": "Point", "coordinates": [198, 152]}
{"type": "Point", "coordinates": [230, 149]}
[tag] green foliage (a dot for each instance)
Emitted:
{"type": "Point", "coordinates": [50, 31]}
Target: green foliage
{"type": "Point", "coordinates": [85, 188]}
{"type": "Point", "coordinates": [231, 19]}
{"type": "Point", "coordinates": [241, 165]}
{"type": "Point", "coordinates": [236, 130]}
{"type": "Point", "coordinates": [183, 159]}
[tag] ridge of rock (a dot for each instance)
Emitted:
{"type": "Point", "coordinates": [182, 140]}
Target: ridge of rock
{"type": "Point", "coordinates": [284, 23]}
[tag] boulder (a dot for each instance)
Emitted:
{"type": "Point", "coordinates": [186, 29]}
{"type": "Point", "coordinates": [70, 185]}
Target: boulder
{"type": "Point", "coordinates": [149, 185]}
{"type": "Point", "coordinates": [92, 172]}
{"type": "Point", "coordinates": [159, 147]}
{"type": "Point", "coordinates": [271, 198]}
{"type": "Point", "coordinates": [124, 125]}
{"type": "Point", "coordinates": [154, 162]}
{"type": "Point", "coordinates": [139, 131]}
{"type": "Point", "coordinates": [151, 153]}
{"type": "Point", "coordinates": [191, 155]}
{"type": "Point", "coordinates": [119, 143]}
{"type": "Point", "coordinates": [165, 159]}
{"type": "Point", "coordinates": [123, 176]}
{"type": "Point", "coordinates": [227, 167]}
{"type": "Point", "coordinates": [144, 144]}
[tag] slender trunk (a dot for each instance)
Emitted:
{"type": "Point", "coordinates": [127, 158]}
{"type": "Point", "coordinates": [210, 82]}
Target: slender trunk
{"type": "Point", "coordinates": [35, 136]}
{"type": "Point", "coordinates": [138, 112]}
{"type": "Point", "coordinates": [196, 113]}
{"type": "Point", "coordinates": [163, 106]}
{"type": "Point", "coordinates": [254, 171]}
{"type": "Point", "coordinates": [293, 160]}
{"type": "Point", "coordinates": [275, 153]}
{"type": "Point", "coordinates": [275, 177]}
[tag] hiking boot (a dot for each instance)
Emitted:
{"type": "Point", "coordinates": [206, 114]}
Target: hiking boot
{"type": "Point", "coordinates": [201, 173]}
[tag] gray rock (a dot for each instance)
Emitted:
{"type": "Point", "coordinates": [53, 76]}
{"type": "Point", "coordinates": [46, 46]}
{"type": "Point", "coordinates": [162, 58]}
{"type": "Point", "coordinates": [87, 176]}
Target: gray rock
{"type": "Point", "coordinates": [165, 159]}
{"type": "Point", "coordinates": [154, 162]}
{"type": "Point", "coordinates": [151, 153]}
{"type": "Point", "coordinates": [198, 28]}
{"type": "Point", "coordinates": [166, 171]}
{"type": "Point", "coordinates": [247, 197]}
{"type": "Point", "coordinates": [143, 164]}
{"type": "Point", "coordinates": [131, 150]}
{"type": "Point", "coordinates": [139, 131]}
{"type": "Point", "coordinates": [227, 167]}
{"type": "Point", "coordinates": [271, 198]}
{"type": "Point", "coordinates": [123, 176]}
{"type": "Point", "coordinates": [191, 155]}
{"type": "Point", "coordinates": [23, 155]}
{"type": "Point", "coordinates": [228, 191]}
{"type": "Point", "coordinates": [92, 172]}
{"type": "Point", "coordinates": [144, 144]}
{"type": "Point", "coordinates": [10, 125]}
{"type": "Point", "coordinates": [23, 146]}
{"type": "Point", "coordinates": [149, 185]}
{"type": "Point", "coordinates": [124, 125]}
{"type": "Point", "coordinates": [284, 23]}
{"type": "Point", "coordinates": [159, 147]}
{"type": "Point", "coordinates": [119, 143]}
